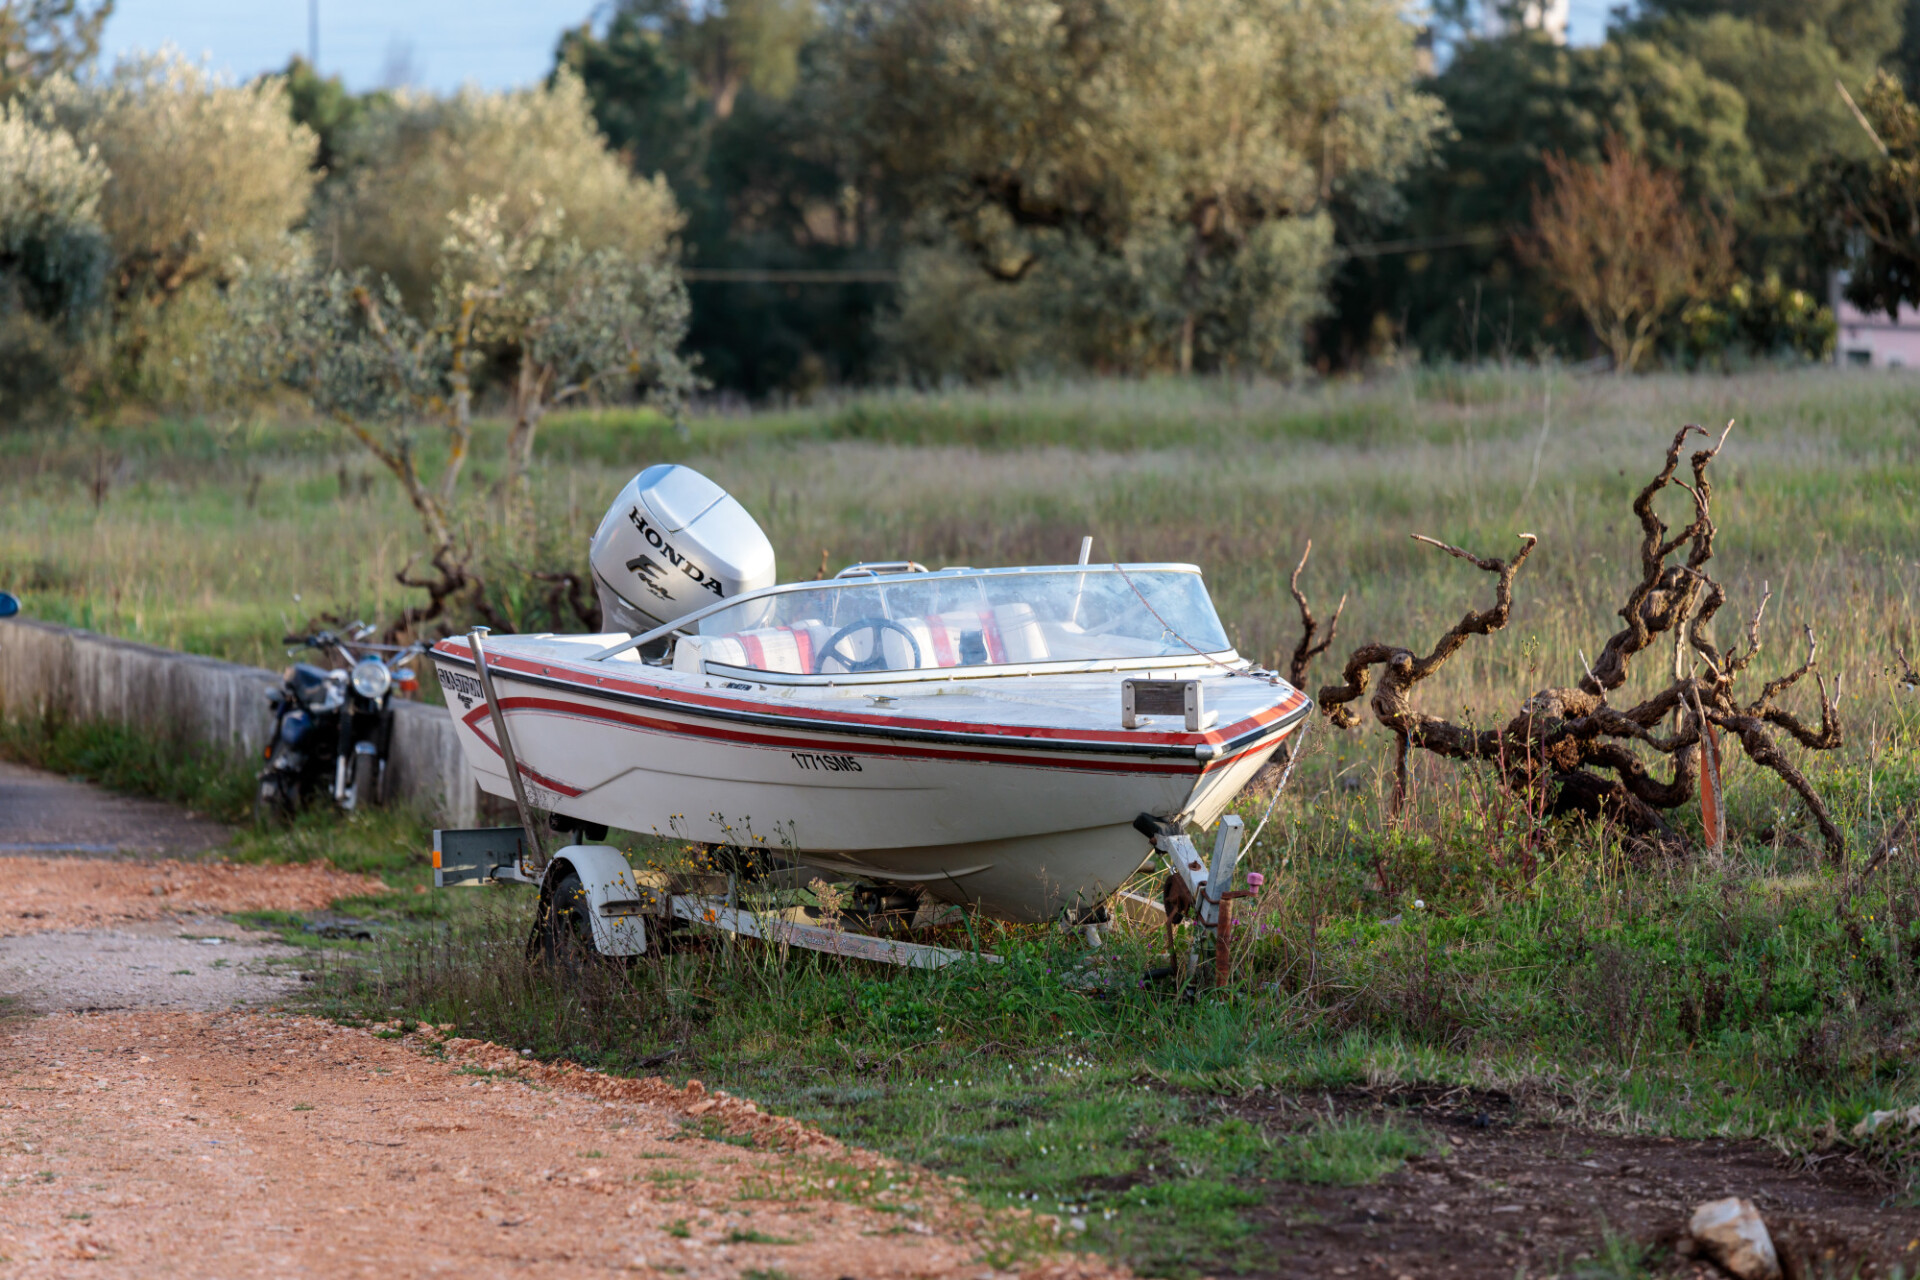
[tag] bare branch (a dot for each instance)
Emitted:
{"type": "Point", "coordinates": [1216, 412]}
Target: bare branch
{"type": "Point", "coordinates": [1568, 741]}
{"type": "Point", "coordinates": [1307, 650]}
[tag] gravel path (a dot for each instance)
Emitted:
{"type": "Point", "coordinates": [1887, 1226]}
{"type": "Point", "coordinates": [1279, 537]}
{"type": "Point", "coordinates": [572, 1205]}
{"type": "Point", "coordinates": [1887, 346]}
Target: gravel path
{"type": "Point", "coordinates": [40, 895]}
{"type": "Point", "coordinates": [184, 1144]}
{"type": "Point", "coordinates": [190, 963]}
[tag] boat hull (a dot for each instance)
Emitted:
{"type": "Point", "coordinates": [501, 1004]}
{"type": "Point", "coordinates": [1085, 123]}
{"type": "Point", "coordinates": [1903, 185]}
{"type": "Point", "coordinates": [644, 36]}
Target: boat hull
{"type": "Point", "coordinates": [1022, 830]}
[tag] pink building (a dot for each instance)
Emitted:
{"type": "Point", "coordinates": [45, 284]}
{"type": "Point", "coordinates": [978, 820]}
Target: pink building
{"type": "Point", "coordinates": [1873, 341]}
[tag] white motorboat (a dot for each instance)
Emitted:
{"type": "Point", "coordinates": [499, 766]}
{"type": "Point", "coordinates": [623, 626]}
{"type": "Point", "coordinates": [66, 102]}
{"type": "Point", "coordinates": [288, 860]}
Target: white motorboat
{"type": "Point", "coordinates": [986, 736]}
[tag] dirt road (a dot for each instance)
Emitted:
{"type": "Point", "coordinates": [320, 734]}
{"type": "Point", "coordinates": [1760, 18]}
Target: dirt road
{"type": "Point", "coordinates": [248, 1144]}
{"type": "Point", "coordinates": [157, 1120]}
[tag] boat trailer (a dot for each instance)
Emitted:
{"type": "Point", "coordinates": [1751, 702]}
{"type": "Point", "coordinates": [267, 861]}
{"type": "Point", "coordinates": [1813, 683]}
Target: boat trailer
{"type": "Point", "coordinates": [623, 906]}
{"type": "Point", "coordinates": [618, 902]}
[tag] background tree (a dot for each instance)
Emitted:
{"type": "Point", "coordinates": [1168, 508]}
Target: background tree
{"type": "Point", "coordinates": [413, 160]}
{"type": "Point", "coordinates": [1782, 57]}
{"type": "Point", "coordinates": [557, 320]}
{"type": "Point", "coordinates": [1617, 238]}
{"type": "Point", "coordinates": [566, 321]}
{"type": "Point", "coordinates": [1160, 148]}
{"type": "Point", "coordinates": [53, 258]}
{"type": "Point", "coordinates": [1735, 96]}
{"type": "Point", "coordinates": [41, 39]}
{"type": "Point", "coordinates": [1466, 292]}
{"type": "Point", "coordinates": [206, 180]}
{"type": "Point", "coordinates": [324, 105]}
{"type": "Point", "coordinates": [754, 156]}
{"type": "Point", "coordinates": [1868, 210]}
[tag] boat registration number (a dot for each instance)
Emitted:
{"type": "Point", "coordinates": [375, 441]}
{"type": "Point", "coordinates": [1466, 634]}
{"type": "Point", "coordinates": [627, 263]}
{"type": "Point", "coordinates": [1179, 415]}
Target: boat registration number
{"type": "Point", "coordinates": [814, 760]}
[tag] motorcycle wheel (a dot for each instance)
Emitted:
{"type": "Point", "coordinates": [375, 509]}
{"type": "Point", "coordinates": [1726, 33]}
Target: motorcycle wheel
{"type": "Point", "coordinates": [274, 802]}
{"type": "Point", "coordinates": [364, 787]}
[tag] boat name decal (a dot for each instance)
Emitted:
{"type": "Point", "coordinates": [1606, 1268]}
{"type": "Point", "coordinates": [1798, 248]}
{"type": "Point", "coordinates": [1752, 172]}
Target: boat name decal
{"type": "Point", "coordinates": [459, 685]}
{"type": "Point", "coordinates": [829, 764]}
{"type": "Point", "coordinates": [665, 548]}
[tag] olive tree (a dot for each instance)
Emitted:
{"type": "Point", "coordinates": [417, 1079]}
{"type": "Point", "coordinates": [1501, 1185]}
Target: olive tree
{"type": "Point", "coordinates": [53, 256]}
{"type": "Point", "coordinates": [411, 162]}
{"type": "Point", "coordinates": [566, 319]}
{"type": "Point", "coordinates": [206, 180]}
{"type": "Point", "coordinates": [562, 320]}
{"type": "Point", "coordinates": [1152, 177]}
{"type": "Point", "coordinates": [40, 39]}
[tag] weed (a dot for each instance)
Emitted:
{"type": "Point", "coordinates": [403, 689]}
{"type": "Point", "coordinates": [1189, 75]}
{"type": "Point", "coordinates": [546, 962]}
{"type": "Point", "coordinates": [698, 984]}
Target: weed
{"type": "Point", "coordinates": [678, 1229]}
{"type": "Point", "coordinates": [1346, 1152]}
{"type": "Point", "coordinates": [1618, 1257]}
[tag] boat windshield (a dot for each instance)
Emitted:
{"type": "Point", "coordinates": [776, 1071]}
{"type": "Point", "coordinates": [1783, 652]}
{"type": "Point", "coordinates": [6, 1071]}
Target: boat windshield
{"type": "Point", "coordinates": [964, 619]}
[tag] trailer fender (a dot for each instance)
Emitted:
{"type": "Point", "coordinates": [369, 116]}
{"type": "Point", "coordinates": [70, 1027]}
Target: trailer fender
{"type": "Point", "coordinates": [616, 902]}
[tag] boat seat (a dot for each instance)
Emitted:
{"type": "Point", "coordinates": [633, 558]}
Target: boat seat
{"type": "Point", "coordinates": [1003, 634]}
{"type": "Point", "coordinates": [790, 650]}
{"type": "Point", "coordinates": [968, 637]}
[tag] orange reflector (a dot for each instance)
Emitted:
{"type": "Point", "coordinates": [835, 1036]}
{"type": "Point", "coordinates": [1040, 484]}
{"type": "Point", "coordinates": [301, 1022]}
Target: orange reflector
{"type": "Point", "coordinates": [436, 859]}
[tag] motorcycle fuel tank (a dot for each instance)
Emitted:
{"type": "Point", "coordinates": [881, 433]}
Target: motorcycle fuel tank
{"type": "Point", "coordinates": [671, 543]}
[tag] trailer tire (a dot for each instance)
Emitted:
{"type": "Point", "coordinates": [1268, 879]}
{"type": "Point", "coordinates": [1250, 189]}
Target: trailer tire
{"type": "Point", "coordinates": [563, 933]}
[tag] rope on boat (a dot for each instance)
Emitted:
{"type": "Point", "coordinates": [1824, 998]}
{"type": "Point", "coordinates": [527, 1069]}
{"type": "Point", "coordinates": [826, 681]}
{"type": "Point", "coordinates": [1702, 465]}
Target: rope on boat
{"type": "Point", "coordinates": [1293, 758]}
{"type": "Point", "coordinates": [1230, 670]}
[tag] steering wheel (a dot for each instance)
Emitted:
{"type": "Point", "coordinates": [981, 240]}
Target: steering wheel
{"type": "Point", "coordinates": [874, 661]}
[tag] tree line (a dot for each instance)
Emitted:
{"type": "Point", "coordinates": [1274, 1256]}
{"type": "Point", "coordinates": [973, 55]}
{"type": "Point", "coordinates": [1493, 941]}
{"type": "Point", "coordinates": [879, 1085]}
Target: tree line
{"type": "Point", "coordinates": [771, 196]}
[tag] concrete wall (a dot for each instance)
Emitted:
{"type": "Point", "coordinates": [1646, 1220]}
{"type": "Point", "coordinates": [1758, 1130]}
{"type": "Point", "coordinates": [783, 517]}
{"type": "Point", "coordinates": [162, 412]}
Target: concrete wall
{"type": "Point", "coordinates": [218, 706]}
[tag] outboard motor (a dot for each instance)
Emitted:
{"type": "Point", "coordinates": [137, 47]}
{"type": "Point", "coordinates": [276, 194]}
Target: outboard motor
{"type": "Point", "coordinates": [672, 542]}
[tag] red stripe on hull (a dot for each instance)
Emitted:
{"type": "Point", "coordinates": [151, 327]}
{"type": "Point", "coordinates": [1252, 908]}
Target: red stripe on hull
{"type": "Point", "coordinates": [475, 718]}
{"type": "Point", "coordinates": [695, 701]}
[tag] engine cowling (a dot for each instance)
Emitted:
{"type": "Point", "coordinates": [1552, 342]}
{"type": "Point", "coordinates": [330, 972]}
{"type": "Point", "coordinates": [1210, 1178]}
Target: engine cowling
{"type": "Point", "coordinates": [671, 543]}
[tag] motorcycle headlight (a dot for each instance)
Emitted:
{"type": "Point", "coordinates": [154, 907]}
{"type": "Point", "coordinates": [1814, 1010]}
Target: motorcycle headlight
{"type": "Point", "coordinates": [371, 679]}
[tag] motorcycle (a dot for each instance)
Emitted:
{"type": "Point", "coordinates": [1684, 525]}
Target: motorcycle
{"type": "Point", "coordinates": [332, 728]}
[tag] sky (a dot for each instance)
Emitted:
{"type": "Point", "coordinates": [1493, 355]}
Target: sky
{"type": "Point", "coordinates": [433, 44]}
{"type": "Point", "coordinates": [1587, 21]}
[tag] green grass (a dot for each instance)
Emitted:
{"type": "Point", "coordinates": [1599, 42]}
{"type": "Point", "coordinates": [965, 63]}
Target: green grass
{"type": "Point", "coordinates": [1765, 994]}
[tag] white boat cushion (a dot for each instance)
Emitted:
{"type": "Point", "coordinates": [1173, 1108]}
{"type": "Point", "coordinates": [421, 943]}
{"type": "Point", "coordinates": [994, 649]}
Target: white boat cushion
{"type": "Point", "coordinates": [690, 653]}
{"type": "Point", "coordinates": [792, 650]}
{"type": "Point", "coordinates": [1020, 633]}
{"type": "Point", "coordinates": [1010, 633]}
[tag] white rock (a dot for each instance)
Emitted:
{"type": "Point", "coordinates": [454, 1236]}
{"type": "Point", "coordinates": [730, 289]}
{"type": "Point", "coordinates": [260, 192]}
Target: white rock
{"type": "Point", "coordinates": [1732, 1233]}
{"type": "Point", "coordinates": [1875, 1120]}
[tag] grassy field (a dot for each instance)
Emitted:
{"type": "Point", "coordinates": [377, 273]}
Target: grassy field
{"type": "Point", "coordinates": [1768, 993]}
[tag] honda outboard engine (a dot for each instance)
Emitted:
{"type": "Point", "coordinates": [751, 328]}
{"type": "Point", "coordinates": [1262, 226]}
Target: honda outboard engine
{"type": "Point", "coordinates": [672, 542]}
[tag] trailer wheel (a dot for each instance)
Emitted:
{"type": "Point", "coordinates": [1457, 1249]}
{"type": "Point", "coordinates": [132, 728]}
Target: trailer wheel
{"type": "Point", "coordinates": [563, 934]}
